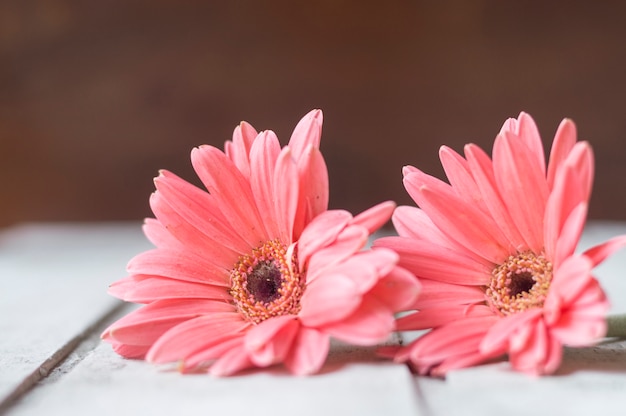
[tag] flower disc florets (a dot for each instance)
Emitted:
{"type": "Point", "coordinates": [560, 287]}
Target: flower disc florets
{"type": "Point", "coordinates": [267, 282]}
{"type": "Point", "coordinates": [520, 283]}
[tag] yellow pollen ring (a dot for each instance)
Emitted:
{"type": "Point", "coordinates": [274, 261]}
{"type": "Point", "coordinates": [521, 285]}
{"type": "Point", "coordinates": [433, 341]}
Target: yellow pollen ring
{"type": "Point", "coordinates": [290, 286]}
{"type": "Point", "coordinates": [520, 283]}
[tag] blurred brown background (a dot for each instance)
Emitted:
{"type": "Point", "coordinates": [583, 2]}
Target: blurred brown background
{"type": "Point", "coordinates": [96, 96]}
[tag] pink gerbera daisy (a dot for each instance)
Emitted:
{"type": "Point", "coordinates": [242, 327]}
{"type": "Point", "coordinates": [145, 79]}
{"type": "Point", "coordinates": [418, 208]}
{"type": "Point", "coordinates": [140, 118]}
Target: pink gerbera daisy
{"type": "Point", "coordinates": [494, 251]}
{"type": "Point", "coordinates": [257, 271]}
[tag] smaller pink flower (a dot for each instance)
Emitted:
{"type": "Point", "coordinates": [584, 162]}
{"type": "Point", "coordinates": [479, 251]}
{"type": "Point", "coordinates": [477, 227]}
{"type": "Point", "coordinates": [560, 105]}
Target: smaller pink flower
{"type": "Point", "coordinates": [257, 271]}
{"type": "Point", "coordinates": [495, 253]}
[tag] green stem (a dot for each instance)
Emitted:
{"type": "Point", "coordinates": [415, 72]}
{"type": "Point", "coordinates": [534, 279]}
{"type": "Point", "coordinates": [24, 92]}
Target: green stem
{"type": "Point", "coordinates": [616, 326]}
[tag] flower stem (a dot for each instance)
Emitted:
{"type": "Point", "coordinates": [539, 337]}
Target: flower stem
{"type": "Point", "coordinates": [616, 326]}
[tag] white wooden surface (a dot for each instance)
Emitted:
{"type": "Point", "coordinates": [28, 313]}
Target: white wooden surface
{"type": "Point", "coordinates": [53, 281]}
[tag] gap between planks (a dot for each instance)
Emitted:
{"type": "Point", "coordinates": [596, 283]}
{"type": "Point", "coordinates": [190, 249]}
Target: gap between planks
{"type": "Point", "coordinates": [89, 337]}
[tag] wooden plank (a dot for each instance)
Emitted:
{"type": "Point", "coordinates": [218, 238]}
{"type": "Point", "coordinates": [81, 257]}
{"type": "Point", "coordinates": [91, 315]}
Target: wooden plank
{"type": "Point", "coordinates": [53, 281]}
{"type": "Point", "coordinates": [353, 382]}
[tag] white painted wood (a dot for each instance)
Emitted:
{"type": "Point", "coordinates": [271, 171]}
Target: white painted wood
{"type": "Point", "coordinates": [96, 381]}
{"type": "Point", "coordinates": [353, 382]}
{"type": "Point", "coordinates": [53, 282]}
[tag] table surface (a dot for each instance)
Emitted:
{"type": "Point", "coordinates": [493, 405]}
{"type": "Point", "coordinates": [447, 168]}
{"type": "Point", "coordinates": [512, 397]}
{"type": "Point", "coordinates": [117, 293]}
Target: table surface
{"type": "Point", "coordinates": [53, 305]}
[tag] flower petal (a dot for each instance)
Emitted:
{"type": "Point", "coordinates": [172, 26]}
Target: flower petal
{"type": "Point", "coordinates": [429, 261]}
{"type": "Point", "coordinates": [321, 232]}
{"type": "Point", "coordinates": [308, 352]}
{"type": "Point", "coordinates": [435, 317]}
{"type": "Point", "coordinates": [239, 149]}
{"type": "Point", "coordinates": [286, 191]}
{"type": "Point", "coordinates": [398, 289]}
{"type": "Point", "coordinates": [313, 199]}
{"type": "Point", "coordinates": [178, 265]}
{"type": "Point", "coordinates": [146, 289]}
{"type": "Point", "coordinates": [601, 252]}
{"type": "Point", "coordinates": [523, 187]}
{"type": "Point", "coordinates": [329, 298]}
{"type": "Point", "coordinates": [435, 294]}
{"type": "Point", "coordinates": [564, 141]}
{"type": "Point", "coordinates": [461, 222]}
{"type": "Point", "coordinates": [145, 325]}
{"type": "Point", "coordinates": [194, 335]}
{"type": "Point", "coordinates": [499, 335]}
{"type": "Point", "coordinates": [263, 156]}
{"type": "Point", "coordinates": [231, 362]}
{"type": "Point", "coordinates": [374, 218]}
{"type": "Point", "coordinates": [270, 341]}
{"type": "Point", "coordinates": [371, 323]}
{"type": "Point", "coordinates": [158, 235]}
{"type": "Point", "coordinates": [308, 132]}
{"type": "Point", "coordinates": [349, 241]}
{"type": "Point", "coordinates": [482, 170]}
{"type": "Point", "coordinates": [231, 191]}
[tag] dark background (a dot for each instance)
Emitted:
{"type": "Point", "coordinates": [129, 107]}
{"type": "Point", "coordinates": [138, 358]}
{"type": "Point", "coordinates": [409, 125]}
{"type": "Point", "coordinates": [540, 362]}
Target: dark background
{"type": "Point", "coordinates": [96, 96]}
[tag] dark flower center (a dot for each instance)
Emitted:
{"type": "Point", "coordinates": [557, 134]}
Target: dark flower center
{"type": "Point", "coordinates": [267, 282]}
{"type": "Point", "coordinates": [264, 282]}
{"type": "Point", "coordinates": [520, 283]}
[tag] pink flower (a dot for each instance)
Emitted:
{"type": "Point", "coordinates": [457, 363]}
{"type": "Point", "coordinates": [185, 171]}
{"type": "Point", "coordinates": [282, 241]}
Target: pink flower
{"type": "Point", "coordinates": [494, 251]}
{"type": "Point", "coordinates": [256, 271]}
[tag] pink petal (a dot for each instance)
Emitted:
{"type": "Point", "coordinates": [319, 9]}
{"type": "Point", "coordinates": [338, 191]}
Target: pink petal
{"type": "Point", "coordinates": [570, 234]}
{"type": "Point", "coordinates": [239, 149]}
{"type": "Point", "coordinates": [375, 217]}
{"type": "Point", "coordinates": [435, 317]}
{"type": "Point", "coordinates": [460, 177]}
{"type": "Point", "coordinates": [286, 191]}
{"type": "Point", "coordinates": [370, 324]}
{"type": "Point", "coordinates": [145, 289]}
{"type": "Point", "coordinates": [192, 239]}
{"type": "Point", "coordinates": [482, 170]}
{"type": "Point", "coordinates": [145, 325]}
{"type": "Point", "coordinates": [308, 352]}
{"type": "Point", "coordinates": [499, 335]}
{"type": "Point", "coordinates": [321, 232]}
{"type": "Point", "coordinates": [436, 294]}
{"type": "Point", "coordinates": [130, 351]}
{"type": "Point", "coordinates": [414, 223]}
{"type": "Point", "coordinates": [456, 338]}
{"type": "Point", "coordinates": [530, 357]}
{"type": "Point", "coordinates": [209, 354]}
{"type": "Point", "coordinates": [365, 268]}
{"type": "Point", "coordinates": [529, 134]}
{"type": "Point", "coordinates": [568, 282]}
{"type": "Point", "coordinates": [329, 298]}
{"type": "Point", "coordinates": [263, 156]}
{"type": "Point", "coordinates": [601, 252]}
{"type": "Point", "coordinates": [231, 362]}
{"type": "Point", "coordinates": [178, 265]}
{"type": "Point", "coordinates": [308, 132]}
{"type": "Point", "coordinates": [349, 241]}
{"type": "Point", "coordinates": [159, 236]}
{"type": "Point", "coordinates": [270, 341]}
{"type": "Point", "coordinates": [313, 199]}
{"type": "Point", "coordinates": [231, 191]}
{"type": "Point", "coordinates": [523, 187]}
{"type": "Point", "coordinates": [582, 159]}
{"type": "Point", "coordinates": [398, 289]}
{"type": "Point", "coordinates": [196, 334]}
{"type": "Point", "coordinates": [461, 222]}
{"type": "Point", "coordinates": [199, 209]}
{"type": "Point", "coordinates": [564, 141]}
{"type": "Point", "coordinates": [565, 196]}
{"type": "Point", "coordinates": [429, 261]}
